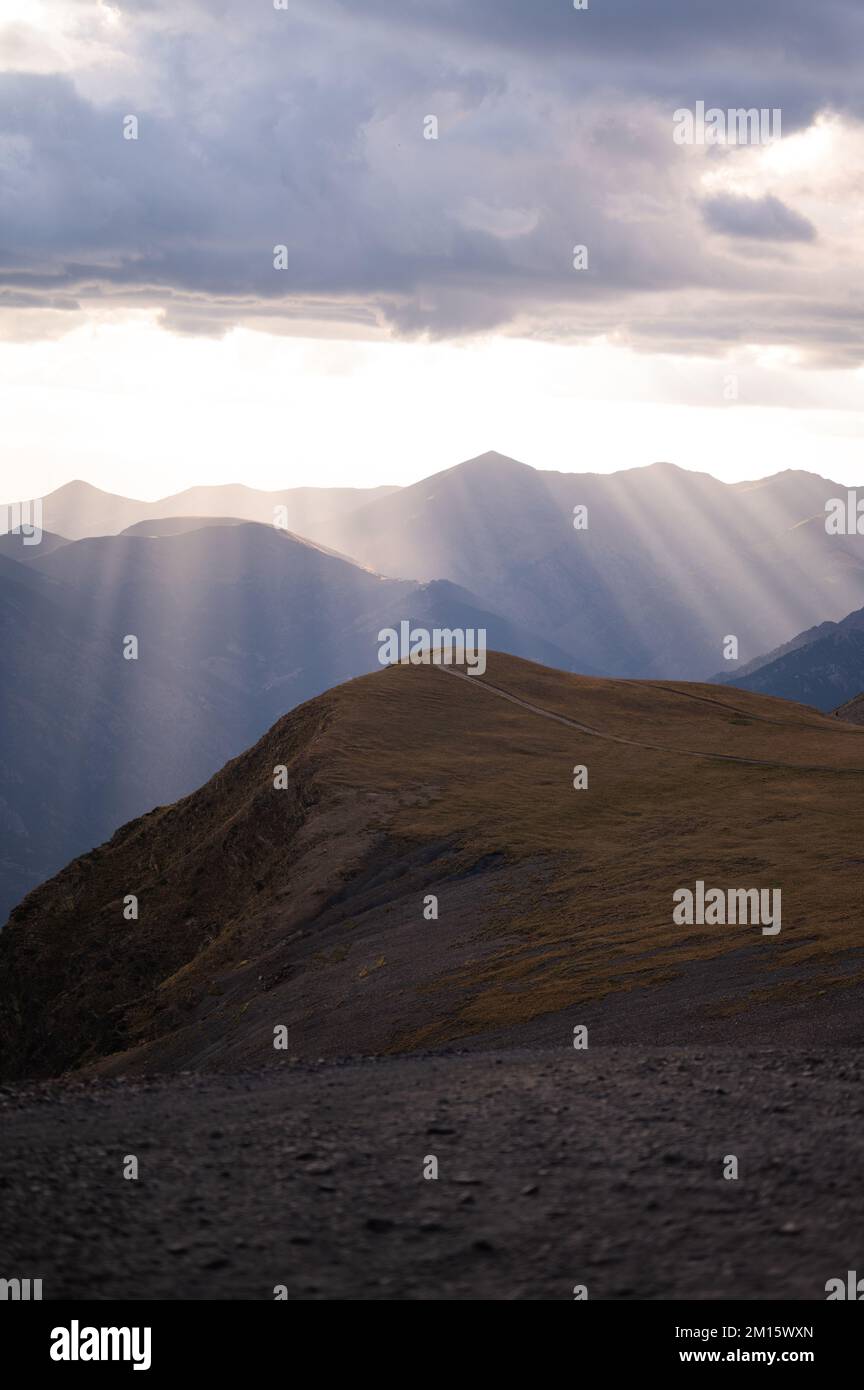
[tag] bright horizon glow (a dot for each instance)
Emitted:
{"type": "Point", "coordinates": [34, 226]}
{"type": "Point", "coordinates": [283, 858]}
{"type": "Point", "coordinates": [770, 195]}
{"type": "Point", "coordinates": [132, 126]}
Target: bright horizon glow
{"type": "Point", "coordinates": [95, 386]}
{"type": "Point", "coordinates": [134, 409]}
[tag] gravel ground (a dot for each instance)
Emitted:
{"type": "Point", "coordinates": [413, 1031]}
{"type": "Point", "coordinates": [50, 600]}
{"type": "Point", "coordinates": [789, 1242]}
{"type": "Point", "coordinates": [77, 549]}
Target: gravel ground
{"type": "Point", "coordinates": [601, 1168]}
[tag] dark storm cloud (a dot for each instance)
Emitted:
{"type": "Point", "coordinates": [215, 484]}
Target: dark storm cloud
{"type": "Point", "coordinates": [643, 27]}
{"type": "Point", "coordinates": [731, 53]}
{"type": "Point", "coordinates": [305, 128]}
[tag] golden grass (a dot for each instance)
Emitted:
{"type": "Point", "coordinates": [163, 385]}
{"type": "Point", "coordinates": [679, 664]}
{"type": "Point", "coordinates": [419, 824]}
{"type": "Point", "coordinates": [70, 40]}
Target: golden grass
{"type": "Point", "coordinates": [598, 916]}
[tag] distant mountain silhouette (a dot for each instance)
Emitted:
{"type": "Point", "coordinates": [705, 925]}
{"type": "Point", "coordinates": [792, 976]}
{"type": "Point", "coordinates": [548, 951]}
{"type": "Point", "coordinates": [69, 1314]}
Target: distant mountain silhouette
{"type": "Point", "coordinates": [78, 509]}
{"type": "Point", "coordinates": [823, 666]}
{"type": "Point", "coordinates": [236, 624]}
{"type": "Point", "coordinates": [178, 525]}
{"type": "Point", "coordinates": [306, 906]}
{"type": "Point", "coordinates": [671, 562]}
{"type": "Point", "coordinates": [17, 545]}
{"type": "Point", "coordinates": [666, 569]}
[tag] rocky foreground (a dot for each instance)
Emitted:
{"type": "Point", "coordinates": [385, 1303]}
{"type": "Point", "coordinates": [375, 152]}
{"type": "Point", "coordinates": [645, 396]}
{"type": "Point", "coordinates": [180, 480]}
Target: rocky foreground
{"type": "Point", "coordinates": [602, 1168]}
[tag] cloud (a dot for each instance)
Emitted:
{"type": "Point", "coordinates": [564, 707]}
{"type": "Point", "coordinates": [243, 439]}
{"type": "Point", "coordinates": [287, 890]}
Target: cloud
{"type": "Point", "coordinates": [305, 128]}
{"type": "Point", "coordinates": [766, 218]}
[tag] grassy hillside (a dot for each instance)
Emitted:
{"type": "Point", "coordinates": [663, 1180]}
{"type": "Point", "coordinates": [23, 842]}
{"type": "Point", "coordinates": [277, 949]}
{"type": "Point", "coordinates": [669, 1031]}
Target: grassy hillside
{"type": "Point", "coordinates": [304, 906]}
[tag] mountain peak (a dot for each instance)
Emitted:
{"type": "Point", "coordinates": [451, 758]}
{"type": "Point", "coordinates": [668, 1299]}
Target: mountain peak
{"type": "Point", "coordinates": [79, 486]}
{"type": "Point", "coordinates": [492, 460]}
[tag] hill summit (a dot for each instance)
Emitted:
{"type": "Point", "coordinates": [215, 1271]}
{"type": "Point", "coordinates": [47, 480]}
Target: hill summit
{"type": "Point", "coordinates": [405, 863]}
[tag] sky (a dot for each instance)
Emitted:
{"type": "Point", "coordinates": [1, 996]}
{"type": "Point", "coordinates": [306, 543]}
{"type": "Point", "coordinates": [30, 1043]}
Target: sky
{"type": "Point", "coordinates": [426, 306]}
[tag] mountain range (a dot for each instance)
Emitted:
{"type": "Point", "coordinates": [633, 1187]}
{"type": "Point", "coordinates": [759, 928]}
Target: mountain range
{"type": "Point", "coordinates": [663, 570]}
{"type": "Point", "coordinates": [78, 509]}
{"type": "Point", "coordinates": [239, 621]}
{"type": "Point", "coordinates": [666, 568]}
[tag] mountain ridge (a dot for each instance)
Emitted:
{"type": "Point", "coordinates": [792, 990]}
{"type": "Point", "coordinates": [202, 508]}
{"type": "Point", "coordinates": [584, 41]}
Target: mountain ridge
{"type": "Point", "coordinates": [78, 509]}
{"type": "Point", "coordinates": [823, 666]}
{"type": "Point", "coordinates": [301, 906]}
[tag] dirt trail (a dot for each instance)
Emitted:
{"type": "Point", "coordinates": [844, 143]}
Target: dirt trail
{"type": "Point", "coordinates": [641, 743]}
